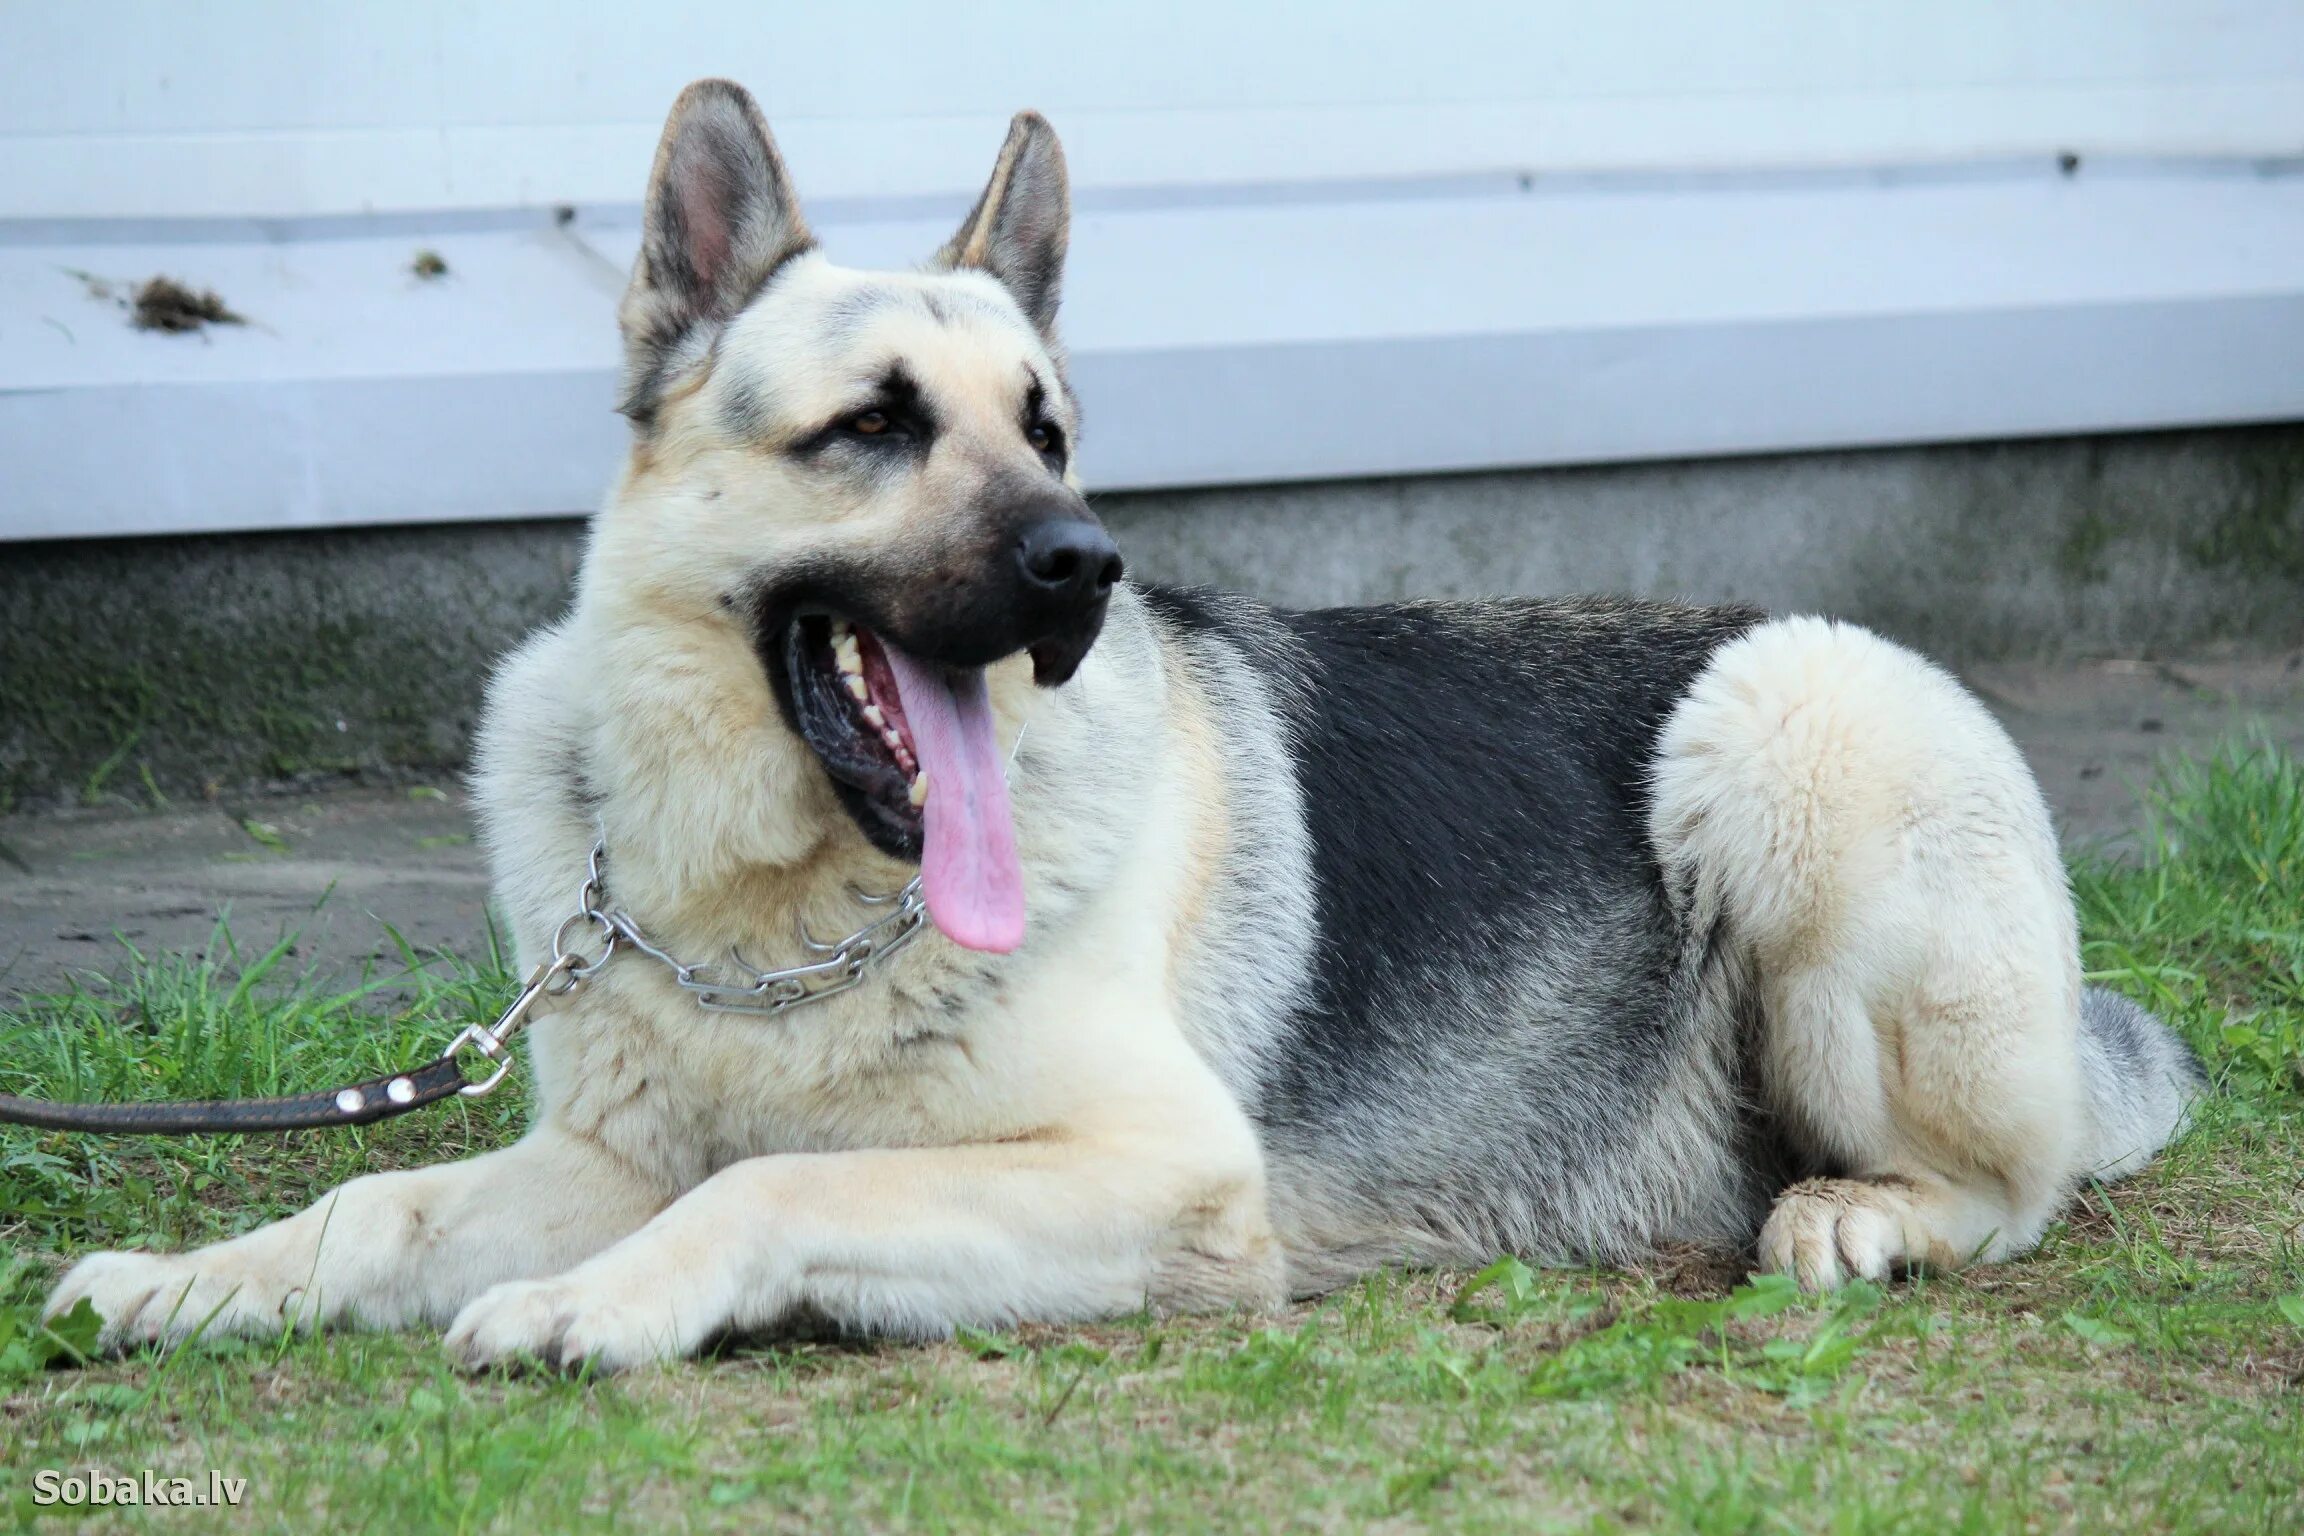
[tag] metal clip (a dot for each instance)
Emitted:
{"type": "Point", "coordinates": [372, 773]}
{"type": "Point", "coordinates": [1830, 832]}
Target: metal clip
{"type": "Point", "coordinates": [556, 977]}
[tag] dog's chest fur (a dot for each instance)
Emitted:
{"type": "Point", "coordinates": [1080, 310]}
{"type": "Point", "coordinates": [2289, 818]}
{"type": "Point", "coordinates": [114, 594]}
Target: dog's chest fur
{"type": "Point", "coordinates": [647, 1070]}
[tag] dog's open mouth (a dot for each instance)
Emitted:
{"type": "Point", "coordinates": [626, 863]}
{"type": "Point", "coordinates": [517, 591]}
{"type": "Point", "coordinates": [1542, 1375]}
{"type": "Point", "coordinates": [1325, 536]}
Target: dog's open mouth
{"type": "Point", "coordinates": [916, 752]}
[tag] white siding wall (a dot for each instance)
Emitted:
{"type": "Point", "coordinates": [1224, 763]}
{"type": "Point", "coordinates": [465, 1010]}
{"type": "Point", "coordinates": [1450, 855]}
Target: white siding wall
{"type": "Point", "coordinates": [1317, 239]}
{"type": "Point", "coordinates": [283, 107]}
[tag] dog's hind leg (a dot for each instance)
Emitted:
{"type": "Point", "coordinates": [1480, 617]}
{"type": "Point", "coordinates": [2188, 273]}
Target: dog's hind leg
{"type": "Point", "coordinates": [1871, 841]}
{"type": "Point", "coordinates": [386, 1251]}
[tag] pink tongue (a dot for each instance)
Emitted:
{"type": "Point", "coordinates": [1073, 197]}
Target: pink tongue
{"type": "Point", "coordinates": [969, 872]}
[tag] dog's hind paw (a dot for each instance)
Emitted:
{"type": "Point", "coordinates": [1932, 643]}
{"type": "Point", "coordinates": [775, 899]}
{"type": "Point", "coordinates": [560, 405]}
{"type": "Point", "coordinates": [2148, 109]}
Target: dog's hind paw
{"type": "Point", "coordinates": [567, 1324]}
{"type": "Point", "coordinates": [1827, 1232]}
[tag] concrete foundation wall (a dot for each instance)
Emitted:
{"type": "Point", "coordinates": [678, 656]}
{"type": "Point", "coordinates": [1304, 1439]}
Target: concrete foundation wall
{"type": "Point", "coordinates": [171, 667]}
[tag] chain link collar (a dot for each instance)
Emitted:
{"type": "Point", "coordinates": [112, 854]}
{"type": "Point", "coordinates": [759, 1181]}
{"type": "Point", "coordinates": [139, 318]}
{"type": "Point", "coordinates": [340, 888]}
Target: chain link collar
{"type": "Point", "coordinates": [736, 985]}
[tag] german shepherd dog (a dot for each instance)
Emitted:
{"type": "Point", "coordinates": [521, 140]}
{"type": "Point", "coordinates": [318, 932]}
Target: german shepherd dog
{"type": "Point", "coordinates": [1267, 947]}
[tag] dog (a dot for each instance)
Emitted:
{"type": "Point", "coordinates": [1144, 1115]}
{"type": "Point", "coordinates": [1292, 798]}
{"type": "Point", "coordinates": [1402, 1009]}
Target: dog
{"type": "Point", "coordinates": [1251, 950]}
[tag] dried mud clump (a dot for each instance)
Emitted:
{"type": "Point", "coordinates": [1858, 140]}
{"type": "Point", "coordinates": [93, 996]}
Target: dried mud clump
{"type": "Point", "coordinates": [164, 304]}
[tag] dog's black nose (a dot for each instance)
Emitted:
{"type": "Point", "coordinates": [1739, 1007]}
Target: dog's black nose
{"type": "Point", "coordinates": [1068, 560]}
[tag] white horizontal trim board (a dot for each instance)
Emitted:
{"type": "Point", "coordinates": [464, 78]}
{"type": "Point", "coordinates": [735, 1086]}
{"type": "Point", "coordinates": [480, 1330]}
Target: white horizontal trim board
{"type": "Point", "coordinates": [1263, 340]}
{"type": "Point", "coordinates": [143, 108]}
{"type": "Point", "coordinates": [456, 166]}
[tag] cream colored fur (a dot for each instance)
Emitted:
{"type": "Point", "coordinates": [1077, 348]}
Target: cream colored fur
{"type": "Point", "coordinates": [1872, 838]}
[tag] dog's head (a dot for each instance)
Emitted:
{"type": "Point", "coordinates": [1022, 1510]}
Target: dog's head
{"type": "Point", "coordinates": [867, 474]}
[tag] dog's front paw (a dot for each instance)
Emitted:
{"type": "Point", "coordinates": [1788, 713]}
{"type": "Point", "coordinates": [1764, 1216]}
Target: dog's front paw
{"type": "Point", "coordinates": [571, 1322]}
{"type": "Point", "coordinates": [152, 1298]}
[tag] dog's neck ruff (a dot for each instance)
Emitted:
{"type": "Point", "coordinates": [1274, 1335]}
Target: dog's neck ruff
{"type": "Point", "coordinates": [737, 985]}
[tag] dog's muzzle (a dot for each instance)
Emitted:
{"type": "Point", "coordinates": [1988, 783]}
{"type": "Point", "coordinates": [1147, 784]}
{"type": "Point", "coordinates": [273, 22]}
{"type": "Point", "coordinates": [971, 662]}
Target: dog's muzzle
{"type": "Point", "coordinates": [883, 674]}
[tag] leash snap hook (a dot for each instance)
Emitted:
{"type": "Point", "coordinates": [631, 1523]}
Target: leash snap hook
{"type": "Point", "coordinates": [557, 977]}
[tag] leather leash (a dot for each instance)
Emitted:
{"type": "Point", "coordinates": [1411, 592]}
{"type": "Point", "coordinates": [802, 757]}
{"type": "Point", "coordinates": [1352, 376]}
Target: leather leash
{"type": "Point", "coordinates": [379, 1098]}
{"type": "Point", "coordinates": [363, 1103]}
{"type": "Point", "coordinates": [738, 988]}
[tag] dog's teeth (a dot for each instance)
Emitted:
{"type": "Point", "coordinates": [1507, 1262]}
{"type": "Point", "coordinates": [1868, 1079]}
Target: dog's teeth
{"type": "Point", "coordinates": [919, 792]}
{"type": "Point", "coordinates": [856, 688]}
{"type": "Point", "coordinates": [850, 659]}
{"type": "Point", "coordinates": [872, 715]}
{"type": "Point", "coordinates": [840, 629]}
{"type": "Point", "coordinates": [895, 742]}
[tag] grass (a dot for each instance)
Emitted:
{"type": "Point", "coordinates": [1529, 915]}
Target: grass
{"type": "Point", "coordinates": [2143, 1370]}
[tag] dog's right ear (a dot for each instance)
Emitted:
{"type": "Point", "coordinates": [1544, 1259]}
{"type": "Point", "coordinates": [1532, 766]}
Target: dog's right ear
{"type": "Point", "coordinates": [721, 218]}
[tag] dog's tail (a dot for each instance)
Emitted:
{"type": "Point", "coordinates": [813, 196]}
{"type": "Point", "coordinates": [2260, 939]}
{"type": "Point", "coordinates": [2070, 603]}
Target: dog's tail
{"type": "Point", "coordinates": [2142, 1081]}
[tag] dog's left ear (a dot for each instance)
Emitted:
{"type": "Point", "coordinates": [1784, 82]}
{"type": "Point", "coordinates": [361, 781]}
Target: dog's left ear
{"type": "Point", "coordinates": [1018, 229]}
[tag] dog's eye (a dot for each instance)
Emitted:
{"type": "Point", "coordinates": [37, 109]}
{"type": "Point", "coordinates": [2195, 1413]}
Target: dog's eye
{"type": "Point", "coordinates": [870, 423]}
{"type": "Point", "coordinates": [1044, 437]}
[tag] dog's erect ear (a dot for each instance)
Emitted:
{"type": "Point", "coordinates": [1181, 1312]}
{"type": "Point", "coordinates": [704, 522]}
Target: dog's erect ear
{"type": "Point", "coordinates": [1018, 229]}
{"type": "Point", "coordinates": [721, 218]}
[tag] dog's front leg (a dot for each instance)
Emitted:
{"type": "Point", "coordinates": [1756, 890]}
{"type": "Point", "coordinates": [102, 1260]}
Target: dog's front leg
{"type": "Point", "coordinates": [387, 1251]}
{"type": "Point", "coordinates": [913, 1242]}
